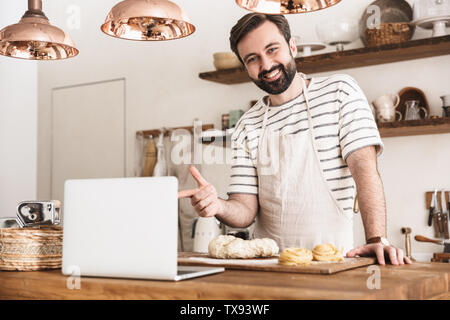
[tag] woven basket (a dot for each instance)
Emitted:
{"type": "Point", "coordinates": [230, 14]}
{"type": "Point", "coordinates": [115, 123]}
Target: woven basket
{"type": "Point", "coordinates": [389, 33]}
{"type": "Point", "coordinates": [31, 249]}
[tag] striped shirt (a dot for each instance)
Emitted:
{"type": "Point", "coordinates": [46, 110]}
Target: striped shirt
{"type": "Point", "coordinates": [342, 122]}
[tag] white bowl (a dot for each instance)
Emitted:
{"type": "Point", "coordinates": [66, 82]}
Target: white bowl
{"type": "Point", "coordinates": [342, 32]}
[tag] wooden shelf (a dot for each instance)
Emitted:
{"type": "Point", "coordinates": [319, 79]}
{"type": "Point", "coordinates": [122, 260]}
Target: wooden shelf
{"type": "Point", "coordinates": [387, 130]}
{"type": "Point", "coordinates": [156, 132]}
{"type": "Point", "coordinates": [414, 127]}
{"type": "Point", "coordinates": [361, 57]}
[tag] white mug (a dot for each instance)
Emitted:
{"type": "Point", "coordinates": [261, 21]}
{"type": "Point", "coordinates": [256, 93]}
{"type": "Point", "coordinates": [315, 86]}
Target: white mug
{"type": "Point", "coordinates": [385, 107]}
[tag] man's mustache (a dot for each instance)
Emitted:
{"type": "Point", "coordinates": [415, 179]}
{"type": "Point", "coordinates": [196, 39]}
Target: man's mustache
{"type": "Point", "coordinates": [265, 72]}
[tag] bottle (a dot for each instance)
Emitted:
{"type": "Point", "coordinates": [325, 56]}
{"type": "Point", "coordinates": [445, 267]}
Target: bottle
{"type": "Point", "coordinates": [150, 158]}
{"type": "Point", "coordinates": [161, 165]}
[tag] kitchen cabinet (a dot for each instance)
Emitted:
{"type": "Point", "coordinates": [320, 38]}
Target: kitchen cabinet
{"type": "Point", "coordinates": [88, 132]}
{"type": "Point", "coordinates": [415, 281]}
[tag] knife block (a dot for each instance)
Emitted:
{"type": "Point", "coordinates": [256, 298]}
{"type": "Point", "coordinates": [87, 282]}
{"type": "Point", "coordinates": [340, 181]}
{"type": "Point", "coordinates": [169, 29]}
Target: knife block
{"type": "Point", "coordinates": [441, 257]}
{"type": "Point", "coordinates": [429, 195]}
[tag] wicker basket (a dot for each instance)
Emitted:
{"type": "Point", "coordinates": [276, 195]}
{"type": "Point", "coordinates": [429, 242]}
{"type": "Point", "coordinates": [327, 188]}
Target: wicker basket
{"type": "Point", "coordinates": [31, 249]}
{"type": "Point", "coordinates": [389, 33]}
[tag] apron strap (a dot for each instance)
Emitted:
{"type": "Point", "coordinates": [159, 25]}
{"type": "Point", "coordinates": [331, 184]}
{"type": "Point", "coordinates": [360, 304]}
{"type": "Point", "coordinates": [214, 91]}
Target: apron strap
{"type": "Point", "coordinates": [316, 154]}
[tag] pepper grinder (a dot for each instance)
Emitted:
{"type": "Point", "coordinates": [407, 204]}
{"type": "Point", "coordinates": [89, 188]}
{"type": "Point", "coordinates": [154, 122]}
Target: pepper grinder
{"type": "Point", "coordinates": [407, 231]}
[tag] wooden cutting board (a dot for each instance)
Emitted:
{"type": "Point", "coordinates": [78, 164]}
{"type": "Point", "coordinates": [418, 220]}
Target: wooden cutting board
{"type": "Point", "coordinates": [271, 264]}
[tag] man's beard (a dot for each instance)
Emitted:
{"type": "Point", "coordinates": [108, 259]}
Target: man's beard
{"type": "Point", "coordinates": [282, 83]}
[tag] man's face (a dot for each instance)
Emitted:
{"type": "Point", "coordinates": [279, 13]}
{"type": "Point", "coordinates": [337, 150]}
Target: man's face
{"type": "Point", "coordinates": [268, 58]}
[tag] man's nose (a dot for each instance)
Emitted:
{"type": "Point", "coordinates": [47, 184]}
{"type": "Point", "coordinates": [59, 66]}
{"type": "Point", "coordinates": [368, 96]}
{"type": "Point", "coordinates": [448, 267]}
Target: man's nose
{"type": "Point", "coordinates": [266, 64]}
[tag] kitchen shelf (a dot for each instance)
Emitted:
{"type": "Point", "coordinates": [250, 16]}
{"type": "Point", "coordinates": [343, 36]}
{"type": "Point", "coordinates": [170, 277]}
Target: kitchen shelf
{"type": "Point", "coordinates": [168, 131]}
{"type": "Point", "coordinates": [331, 61]}
{"type": "Point", "coordinates": [414, 127]}
{"type": "Point", "coordinates": [386, 129]}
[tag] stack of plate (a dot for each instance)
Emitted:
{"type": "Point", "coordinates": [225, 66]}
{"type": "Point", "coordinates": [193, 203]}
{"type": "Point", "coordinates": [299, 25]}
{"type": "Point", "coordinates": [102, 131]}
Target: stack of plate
{"type": "Point", "coordinates": [30, 249]}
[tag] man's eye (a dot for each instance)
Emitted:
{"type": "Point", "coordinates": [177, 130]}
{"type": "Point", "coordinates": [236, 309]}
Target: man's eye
{"type": "Point", "coordinates": [272, 49]}
{"type": "Point", "coordinates": [249, 60]}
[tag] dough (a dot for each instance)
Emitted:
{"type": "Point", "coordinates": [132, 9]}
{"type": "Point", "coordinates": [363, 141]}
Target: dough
{"type": "Point", "coordinates": [295, 257]}
{"type": "Point", "coordinates": [327, 252]}
{"type": "Point", "coordinates": [224, 247]}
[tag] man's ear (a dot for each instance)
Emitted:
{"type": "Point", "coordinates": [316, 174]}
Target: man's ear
{"type": "Point", "coordinates": [293, 47]}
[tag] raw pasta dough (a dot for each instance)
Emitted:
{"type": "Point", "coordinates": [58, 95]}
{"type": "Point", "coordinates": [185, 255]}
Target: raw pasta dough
{"type": "Point", "coordinates": [295, 257]}
{"type": "Point", "coordinates": [225, 247]}
{"type": "Point", "coordinates": [327, 252]}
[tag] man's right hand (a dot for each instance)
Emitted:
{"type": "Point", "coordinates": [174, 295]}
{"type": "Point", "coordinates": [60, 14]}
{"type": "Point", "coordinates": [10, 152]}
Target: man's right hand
{"type": "Point", "coordinates": [204, 198]}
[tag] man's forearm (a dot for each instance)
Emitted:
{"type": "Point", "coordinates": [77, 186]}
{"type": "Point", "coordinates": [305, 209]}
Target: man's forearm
{"type": "Point", "coordinates": [372, 205]}
{"type": "Point", "coordinates": [235, 214]}
{"type": "Point", "coordinates": [363, 166]}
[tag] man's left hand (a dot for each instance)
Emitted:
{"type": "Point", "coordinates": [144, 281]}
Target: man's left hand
{"type": "Point", "coordinates": [394, 255]}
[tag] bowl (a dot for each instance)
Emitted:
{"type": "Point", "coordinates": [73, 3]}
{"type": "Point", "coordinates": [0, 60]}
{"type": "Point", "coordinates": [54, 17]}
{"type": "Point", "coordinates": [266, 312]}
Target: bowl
{"type": "Point", "coordinates": [338, 32]}
{"type": "Point", "coordinates": [224, 55]}
{"type": "Point", "coordinates": [226, 60]}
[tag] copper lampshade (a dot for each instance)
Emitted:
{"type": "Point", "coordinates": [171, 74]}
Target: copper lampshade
{"type": "Point", "coordinates": [147, 20]}
{"type": "Point", "coordinates": [285, 6]}
{"type": "Point", "coordinates": [34, 38]}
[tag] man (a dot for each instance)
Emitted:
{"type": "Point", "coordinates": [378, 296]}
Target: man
{"type": "Point", "coordinates": [300, 154]}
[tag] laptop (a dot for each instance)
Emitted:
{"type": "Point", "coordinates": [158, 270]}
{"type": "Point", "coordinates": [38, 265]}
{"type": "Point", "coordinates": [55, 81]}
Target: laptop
{"type": "Point", "coordinates": [124, 228]}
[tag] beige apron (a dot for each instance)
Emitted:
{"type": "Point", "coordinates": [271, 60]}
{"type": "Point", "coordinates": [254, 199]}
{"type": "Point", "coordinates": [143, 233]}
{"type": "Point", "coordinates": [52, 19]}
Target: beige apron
{"type": "Point", "coordinates": [297, 209]}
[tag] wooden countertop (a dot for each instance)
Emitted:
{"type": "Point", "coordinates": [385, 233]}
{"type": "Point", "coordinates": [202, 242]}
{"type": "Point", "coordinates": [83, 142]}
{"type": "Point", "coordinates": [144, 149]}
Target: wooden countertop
{"type": "Point", "coordinates": [416, 281]}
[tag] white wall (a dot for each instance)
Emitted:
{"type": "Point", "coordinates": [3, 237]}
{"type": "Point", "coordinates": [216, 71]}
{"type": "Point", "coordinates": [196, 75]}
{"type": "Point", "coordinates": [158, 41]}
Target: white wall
{"type": "Point", "coordinates": [18, 122]}
{"type": "Point", "coordinates": [163, 89]}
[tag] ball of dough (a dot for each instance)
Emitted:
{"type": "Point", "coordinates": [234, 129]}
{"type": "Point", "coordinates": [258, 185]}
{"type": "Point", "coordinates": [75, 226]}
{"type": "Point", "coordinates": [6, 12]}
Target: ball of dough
{"type": "Point", "coordinates": [327, 252]}
{"type": "Point", "coordinates": [224, 247]}
{"type": "Point", "coordinates": [217, 246]}
{"type": "Point", "coordinates": [295, 257]}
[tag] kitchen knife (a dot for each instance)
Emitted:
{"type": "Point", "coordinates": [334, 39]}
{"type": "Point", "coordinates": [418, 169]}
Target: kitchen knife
{"type": "Point", "coordinates": [441, 242]}
{"type": "Point", "coordinates": [431, 212]}
{"type": "Point", "coordinates": [444, 215]}
{"type": "Point", "coordinates": [437, 217]}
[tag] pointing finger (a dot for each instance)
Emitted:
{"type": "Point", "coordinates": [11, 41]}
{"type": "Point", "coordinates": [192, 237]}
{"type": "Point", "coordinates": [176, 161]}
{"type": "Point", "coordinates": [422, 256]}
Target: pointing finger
{"type": "Point", "coordinates": [187, 193]}
{"type": "Point", "coordinates": [197, 176]}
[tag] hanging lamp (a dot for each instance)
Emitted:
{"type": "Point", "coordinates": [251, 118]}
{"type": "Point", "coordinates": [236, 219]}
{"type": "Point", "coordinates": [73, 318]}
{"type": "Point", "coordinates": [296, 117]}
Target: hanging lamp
{"type": "Point", "coordinates": [285, 6]}
{"type": "Point", "coordinates": [147, 20]}
{"type": "Point", "coordinates": [34, 38]}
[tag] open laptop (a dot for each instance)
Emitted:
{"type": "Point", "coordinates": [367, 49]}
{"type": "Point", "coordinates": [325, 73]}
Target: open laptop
{"type": "Point", "coordinates": [124, 228]}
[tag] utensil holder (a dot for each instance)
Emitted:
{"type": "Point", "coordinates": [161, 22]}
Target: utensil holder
{"type": "Point", "coordinates": [31, 249]}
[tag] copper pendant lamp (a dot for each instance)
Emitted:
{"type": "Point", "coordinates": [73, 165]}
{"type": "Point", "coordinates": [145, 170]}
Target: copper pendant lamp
{"type": "Point", "coordinates": [285, 6]}
{"type": "Point", "coordinates": [34, 38]}
{"type": "Point", "coordinates": [147, 20]}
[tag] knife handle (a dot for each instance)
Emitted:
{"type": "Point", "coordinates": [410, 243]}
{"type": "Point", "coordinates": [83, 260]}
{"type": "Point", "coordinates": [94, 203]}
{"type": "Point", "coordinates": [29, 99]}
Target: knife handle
{"type": "Point", "coordinates": [445, 226]}
{"type": "Point", "coordinates": [425, 239]}
{"type": "Point", "coordinates": [437, 224]}
{"type": "Point", "coordinates": [430, 217]}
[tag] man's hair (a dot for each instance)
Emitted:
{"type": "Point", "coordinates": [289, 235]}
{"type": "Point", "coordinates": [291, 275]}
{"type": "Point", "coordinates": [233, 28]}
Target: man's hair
{"type": "Point", "coordinates": [252, 21]}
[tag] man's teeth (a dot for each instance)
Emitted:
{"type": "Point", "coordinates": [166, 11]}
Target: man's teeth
{"type": "Point", "coordinates": [272, 74]}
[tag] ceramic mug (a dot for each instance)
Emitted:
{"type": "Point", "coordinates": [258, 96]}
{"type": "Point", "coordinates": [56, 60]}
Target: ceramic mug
{"type": "Point", "coordinates": [385, 107]}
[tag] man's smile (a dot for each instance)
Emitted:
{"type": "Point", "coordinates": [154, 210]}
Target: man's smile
{"type": "Point", "coordinates": [272, 76]}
